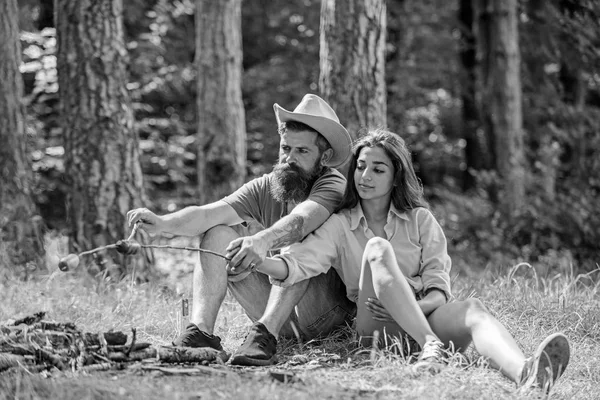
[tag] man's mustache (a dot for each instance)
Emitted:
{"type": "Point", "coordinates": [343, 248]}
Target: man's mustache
{"type": "Point", "coordinates": [284, 167]}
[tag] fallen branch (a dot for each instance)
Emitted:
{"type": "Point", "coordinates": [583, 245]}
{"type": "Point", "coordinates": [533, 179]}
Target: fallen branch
{"type": "Point", "coordinates": [172, 355]}
{"type": "Point", "coordinates": [54, 360]}
{"type": "Point", "coordinates": [199, 369]}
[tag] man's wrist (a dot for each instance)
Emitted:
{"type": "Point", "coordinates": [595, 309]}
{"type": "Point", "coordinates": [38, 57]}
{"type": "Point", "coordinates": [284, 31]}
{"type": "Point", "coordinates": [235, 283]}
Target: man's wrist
{"type": "Point", "coordinates": [266, 238]}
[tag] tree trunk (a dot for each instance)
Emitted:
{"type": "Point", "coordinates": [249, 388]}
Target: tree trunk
{"type": "Point", "coordinates": [20, 233]}
{"type": "Point", "coordinates": [352, 62]}
{"type": "Point", "coordinates": [221, 120]}
{"type": "Point", "coordinates": [476, 149]}
{"type": "Point", "coordinates": [499, 60]}
{"type": "Point", "coordinates": [101, 145]}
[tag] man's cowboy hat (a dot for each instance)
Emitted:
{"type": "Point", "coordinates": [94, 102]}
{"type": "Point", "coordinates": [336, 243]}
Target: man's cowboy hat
{"type": "Point", "coordinates": [316, 113]}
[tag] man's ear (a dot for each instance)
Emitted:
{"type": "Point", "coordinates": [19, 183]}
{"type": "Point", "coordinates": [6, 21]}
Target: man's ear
{"type": "Point", "coordinates": [326, 156]}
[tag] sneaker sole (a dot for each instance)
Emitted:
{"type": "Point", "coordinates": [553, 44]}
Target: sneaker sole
{"type": "Point", "coordinates": [252, 362]}
{"type": "Point", "coordinates": [553, 357]}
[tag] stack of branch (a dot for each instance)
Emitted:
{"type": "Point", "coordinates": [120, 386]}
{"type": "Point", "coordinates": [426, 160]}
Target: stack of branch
{"type": "Point", "coordinates": [38, 345]}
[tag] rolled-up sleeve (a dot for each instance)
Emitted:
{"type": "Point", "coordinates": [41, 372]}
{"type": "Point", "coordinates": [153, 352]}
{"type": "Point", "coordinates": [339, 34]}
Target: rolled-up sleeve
{"type": "Point", "coordinates": [435, 261]}
{"type": "Point", "coordinates": [314, 255]}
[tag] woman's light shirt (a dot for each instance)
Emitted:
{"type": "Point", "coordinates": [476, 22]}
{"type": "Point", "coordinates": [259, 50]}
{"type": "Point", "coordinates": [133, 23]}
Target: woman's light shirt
{"type": "Point", "coordinates": [418, 241]}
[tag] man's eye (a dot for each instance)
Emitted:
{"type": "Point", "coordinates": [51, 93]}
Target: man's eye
{"type": "Point", "coordinates": [360, 167]}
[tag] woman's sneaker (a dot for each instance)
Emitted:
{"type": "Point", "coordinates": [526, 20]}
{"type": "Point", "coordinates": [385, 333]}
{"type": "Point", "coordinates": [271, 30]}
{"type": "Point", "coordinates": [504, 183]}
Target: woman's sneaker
{"type": "Point", "coordinates": [194, 337]}
{"type": "Point", "coordinates": [432, 357]}
{"type": "Point", "coordinates": [547, 364]}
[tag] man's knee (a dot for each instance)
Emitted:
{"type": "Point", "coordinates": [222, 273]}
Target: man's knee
{"type": "Point", "coordinates": [218, 236]}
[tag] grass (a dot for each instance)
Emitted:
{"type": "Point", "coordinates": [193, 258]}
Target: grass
{"type": "Point", "coordinates": [531, 306]}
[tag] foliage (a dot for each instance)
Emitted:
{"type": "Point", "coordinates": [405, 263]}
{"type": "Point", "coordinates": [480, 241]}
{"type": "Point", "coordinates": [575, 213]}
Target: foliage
{"type": "Point", "coordinates": [561, 101]}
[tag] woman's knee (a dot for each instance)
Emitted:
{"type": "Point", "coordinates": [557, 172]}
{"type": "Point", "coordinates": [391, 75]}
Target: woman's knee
{"type": "Point", "coordinates": [474, 311]}
{"type": "Point", "coordinates": [377, 249]}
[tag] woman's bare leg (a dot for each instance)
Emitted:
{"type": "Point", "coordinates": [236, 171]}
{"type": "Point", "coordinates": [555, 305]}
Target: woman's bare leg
{"type": "Point", "coordinates": [463, 322]}
{"type": "Point", "coordinates": [381, 276]}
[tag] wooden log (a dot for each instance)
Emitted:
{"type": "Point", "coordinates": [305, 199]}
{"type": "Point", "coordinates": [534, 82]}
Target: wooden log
{"type": "Point", "coordinates": [106, 366]}
{"type": "Point", "coordinates": [112, 338]}
{"type": "Point", "coordinates": [41, 338]}
{"type": "Point", "coordinates": [55, 326]}
{"type": "Point", "coordinates": [169, 354]}
{"type": "Point", "coordinates": [198, 369]}
{"type": "Point", "coordinates": [31, 319]}
{"type": "Point", "coordinates": [52, 359]}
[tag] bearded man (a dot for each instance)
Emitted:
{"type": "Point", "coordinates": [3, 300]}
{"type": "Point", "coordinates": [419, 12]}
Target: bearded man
{"type": "Point", "coordinates": [293, 200]}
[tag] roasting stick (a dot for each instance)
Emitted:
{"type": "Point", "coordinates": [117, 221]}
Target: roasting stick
{"type": "Point", "coordinates": [127, 247]}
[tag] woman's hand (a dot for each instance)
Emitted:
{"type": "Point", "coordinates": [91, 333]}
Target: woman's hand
{"type": "Point", "coordinates": [379, 312]}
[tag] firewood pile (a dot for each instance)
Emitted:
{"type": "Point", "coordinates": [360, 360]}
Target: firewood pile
{"type": "Point", "coordinates": [39, 345]}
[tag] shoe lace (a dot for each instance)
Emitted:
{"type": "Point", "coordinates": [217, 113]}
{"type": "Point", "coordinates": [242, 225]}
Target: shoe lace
{"type": "Point", "coordinates": [262, 341]}
{"type": "Point", "coordinates": [432, 351]}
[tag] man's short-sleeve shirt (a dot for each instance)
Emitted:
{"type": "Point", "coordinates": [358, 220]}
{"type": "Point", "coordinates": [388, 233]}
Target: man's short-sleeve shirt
{"type": "Point", "coordinates": [253, 201]}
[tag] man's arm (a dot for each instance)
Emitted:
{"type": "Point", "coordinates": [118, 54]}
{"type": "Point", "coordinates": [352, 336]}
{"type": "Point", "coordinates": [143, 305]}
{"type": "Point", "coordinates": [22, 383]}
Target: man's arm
{"type": "Point", "coordinates": [304, 218]}
{"type": "Point", "coordinates": [190, 221]}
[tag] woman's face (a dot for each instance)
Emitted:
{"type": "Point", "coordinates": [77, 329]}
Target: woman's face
{"type": "Point", "coordinates": [374, 174]}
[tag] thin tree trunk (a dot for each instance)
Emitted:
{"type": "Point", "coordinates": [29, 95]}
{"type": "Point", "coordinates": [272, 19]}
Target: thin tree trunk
{"type": "Point", "coordinates": [20, 233]}
{"type": "Point", "coordinates": [352, 62]}
{"type": "Point", "coordinates": [499, 58]}
{"type": "Point", "coordinates": [476, 149]}
{"type": "Point", "coordinates": [101, 145]}
{"type": "Point", "coordinates": [221, 119]}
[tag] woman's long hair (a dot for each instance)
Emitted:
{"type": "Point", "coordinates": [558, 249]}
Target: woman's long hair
{"type": "Point", "coordinates": [407, 192]}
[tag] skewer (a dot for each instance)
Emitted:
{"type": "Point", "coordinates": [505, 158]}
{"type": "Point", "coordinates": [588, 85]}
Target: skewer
{"type": "Point", "coordinates": [127, 247]}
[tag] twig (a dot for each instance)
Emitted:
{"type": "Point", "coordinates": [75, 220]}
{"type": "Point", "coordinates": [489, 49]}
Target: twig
{"type": "Point", "coordinates": [133, 331]}
{"type": "Point", "coordinates": [56, 361]}
{"type": "Point", "coordinates": [198, 369]}
{"type": "Point", "coordinates": [166, 246]}
{"type": "Point", "coordinates": [134, 230]}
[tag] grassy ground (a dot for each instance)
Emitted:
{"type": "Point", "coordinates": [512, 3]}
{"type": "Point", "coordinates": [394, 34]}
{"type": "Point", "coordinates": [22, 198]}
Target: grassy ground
{"type": "Point", "coordinates": [530, 307]}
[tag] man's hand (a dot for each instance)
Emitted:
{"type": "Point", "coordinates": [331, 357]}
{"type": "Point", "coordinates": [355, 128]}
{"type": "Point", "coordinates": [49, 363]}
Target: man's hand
{"type": "Point", "coordinates": [379, 312]}
{"type": "Point", "coordinates": [149, 221]}
{"type": "Point", "coordinates": [245, 251]}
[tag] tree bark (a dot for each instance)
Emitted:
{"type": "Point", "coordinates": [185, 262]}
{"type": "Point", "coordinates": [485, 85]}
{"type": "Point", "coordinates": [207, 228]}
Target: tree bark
{"type": "Point", "coordinates": [101, 145]}
{"type": "Point", "coordinates": [476, 148]}
{"type": "Point", "coordinates": [352, 63]}
{"type": "Point", "coordinates": [20, 226]}
{"type": "Point", "coordinates": [499, 61]}
{"type": "Point", "coordinates": [221, 158]}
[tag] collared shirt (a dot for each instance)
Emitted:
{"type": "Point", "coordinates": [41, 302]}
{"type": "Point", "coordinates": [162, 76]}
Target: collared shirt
{"type": "Point", "coordinates": [416, 237]}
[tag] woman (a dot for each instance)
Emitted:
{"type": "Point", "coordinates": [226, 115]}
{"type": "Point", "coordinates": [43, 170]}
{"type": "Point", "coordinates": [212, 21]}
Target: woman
{"type": "Point", "coordinates": [391, 253]}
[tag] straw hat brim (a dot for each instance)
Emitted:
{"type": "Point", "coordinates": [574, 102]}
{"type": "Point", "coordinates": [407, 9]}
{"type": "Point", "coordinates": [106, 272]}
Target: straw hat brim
{"type": "Point", "coordinates": [337, 136]}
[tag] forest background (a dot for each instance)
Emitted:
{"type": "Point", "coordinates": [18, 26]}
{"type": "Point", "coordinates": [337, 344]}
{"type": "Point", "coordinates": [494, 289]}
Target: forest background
{"type": "Point", "coordinates": [430, 68]}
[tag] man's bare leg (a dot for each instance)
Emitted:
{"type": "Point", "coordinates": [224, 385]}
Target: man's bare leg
{"type": "Point", "coordinates": [281, 304]}
{"type": "Point", "coordinates": [210, 278]}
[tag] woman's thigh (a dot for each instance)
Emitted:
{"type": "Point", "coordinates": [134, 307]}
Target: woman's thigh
{"type": "Point", "coordinates": [449, 323]}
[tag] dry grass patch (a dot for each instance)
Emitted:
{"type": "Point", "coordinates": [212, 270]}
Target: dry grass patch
{"type": "Point", "coordinates": [334, 368]}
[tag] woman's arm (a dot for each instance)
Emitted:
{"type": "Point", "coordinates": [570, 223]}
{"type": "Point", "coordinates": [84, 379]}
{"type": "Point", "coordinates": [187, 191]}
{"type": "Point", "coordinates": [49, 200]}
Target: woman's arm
{"type": "Point", "coordinates": [435, 261]}
{"type": "Point", "coordinates": [276, 268]}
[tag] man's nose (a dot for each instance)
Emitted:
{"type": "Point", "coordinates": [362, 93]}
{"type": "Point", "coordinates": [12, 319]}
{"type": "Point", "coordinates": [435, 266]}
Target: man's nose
{"type": "Point", "coordinates": [290, 158]}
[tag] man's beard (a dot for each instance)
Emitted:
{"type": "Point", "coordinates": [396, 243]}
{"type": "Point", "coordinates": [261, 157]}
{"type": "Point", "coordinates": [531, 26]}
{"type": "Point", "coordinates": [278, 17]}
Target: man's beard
{"type": "Point", "coordinates": [291, 183]}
